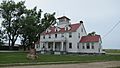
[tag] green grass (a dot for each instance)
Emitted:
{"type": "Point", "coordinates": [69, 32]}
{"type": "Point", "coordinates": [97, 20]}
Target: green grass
{"type": "Point", "coordinates": [6, 58]}
{"type": "Point", "coordinates": [112, 50]}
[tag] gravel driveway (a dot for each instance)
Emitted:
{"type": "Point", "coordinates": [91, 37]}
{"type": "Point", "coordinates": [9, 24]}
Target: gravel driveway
{"type": "Point", "coordinates": [78, 65]}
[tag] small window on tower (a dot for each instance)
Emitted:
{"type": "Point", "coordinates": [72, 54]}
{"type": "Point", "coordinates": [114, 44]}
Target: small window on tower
{"type": "Point", "coordinates": [61, 20]}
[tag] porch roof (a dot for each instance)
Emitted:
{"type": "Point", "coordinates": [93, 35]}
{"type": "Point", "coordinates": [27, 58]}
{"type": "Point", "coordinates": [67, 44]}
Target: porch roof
{"type": "Point", "coordinates": [95, 38]}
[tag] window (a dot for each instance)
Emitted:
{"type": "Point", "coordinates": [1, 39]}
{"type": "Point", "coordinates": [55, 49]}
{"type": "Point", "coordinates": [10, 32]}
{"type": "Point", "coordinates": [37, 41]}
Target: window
{"type": "Point", "coordinates": [81, 29]}
{"type": "Point", "coordinates": [78, 45]}
{"type": "Point", "coordinates": [88, 46]}
{"type": "Point", "coordinates": [70, 45]}
{"type": "Point", "coordinates": [49, 36]}
{"type": "Point", "coordinates": [62, 35]}
{"type": "Point", "coordinates": [92, 45]}
{"type": "Point", "coordinates": [61, 20]}
{"type": "Point", "coordinates": [66, 28]}
{"type": "Point", "coordinates": [55, 46]}
{"type": "Point", "coordinates": [83, 47]}
{"type": "Point", "coordinates": [55, 35]}
{"type": "Point", "coordinates": [44, 37]}
{"type": "Point", "coordinates": [70, 35]}
{"type": "Point", "coordinates": [43, 46]}
{"type": "Point", "coordinates": [78, 35]}
{"type": "Point", "coordinates": [48, 46]}
{"type": "Point", "coordinates": [37, 46]}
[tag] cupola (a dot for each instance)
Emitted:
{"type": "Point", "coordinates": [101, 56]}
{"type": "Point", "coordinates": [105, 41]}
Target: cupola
{"type": "Point", "coordinates": [63, 21]}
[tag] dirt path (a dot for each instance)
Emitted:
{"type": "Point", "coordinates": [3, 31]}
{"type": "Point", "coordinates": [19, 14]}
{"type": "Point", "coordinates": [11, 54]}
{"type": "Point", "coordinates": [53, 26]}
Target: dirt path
{"type": "Point", "coordinates": [78, 65]}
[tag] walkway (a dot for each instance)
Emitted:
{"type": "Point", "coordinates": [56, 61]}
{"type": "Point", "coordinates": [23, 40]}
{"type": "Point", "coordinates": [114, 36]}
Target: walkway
{"type": "Point", "coordinates": [78, 65]}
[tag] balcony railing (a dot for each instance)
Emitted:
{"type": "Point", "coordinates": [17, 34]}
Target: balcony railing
{"type": "Point", "coordinates": [53, 39]}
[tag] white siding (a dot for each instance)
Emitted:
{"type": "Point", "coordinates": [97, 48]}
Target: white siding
{"type": "Point", "coordinates": [74, 40]}
{"type": "Point", "coordinates": [96, 45]}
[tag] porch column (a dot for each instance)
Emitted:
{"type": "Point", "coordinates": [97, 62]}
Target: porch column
{"type": "Point", "coordinates": [41, 43]}
{"type": "Point", "coordinates": [46, 46]}
{"type": "Point", "coordinates": [53, 46]}
{"type": "Point", "coordinates": [62, 46]}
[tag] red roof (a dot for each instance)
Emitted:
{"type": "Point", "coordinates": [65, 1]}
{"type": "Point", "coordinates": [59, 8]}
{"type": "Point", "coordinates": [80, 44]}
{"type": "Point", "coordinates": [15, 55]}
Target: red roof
{"type": "Point", "coordinates": [90, 38]}
{"type": "Point", "coordinates": [74, 27]}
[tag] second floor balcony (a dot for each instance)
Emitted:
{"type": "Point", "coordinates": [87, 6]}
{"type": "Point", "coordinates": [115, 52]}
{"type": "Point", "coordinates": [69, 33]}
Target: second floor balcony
{"type": "Point", "coordinates": [53, 39]}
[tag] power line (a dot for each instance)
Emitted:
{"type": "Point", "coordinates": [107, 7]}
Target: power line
{"type": "Point", "coordinates": [111, 30]}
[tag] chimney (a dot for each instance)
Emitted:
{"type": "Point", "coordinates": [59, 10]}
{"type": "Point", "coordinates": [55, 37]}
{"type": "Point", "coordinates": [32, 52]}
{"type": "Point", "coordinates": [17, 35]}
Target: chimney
{"type": "Point", "coordinates": [81, 22]}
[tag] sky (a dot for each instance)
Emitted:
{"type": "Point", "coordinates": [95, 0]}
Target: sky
{"type": "Point", "coordinates": [97, 15]}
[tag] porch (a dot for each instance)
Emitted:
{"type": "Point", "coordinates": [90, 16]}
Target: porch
{"type": "Point", "coordinates": [53, 47]}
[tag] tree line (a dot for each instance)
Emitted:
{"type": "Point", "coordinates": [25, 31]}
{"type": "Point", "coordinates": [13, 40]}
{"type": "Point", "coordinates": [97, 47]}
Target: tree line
{"type": "Point", "coordinates": [19, 21]}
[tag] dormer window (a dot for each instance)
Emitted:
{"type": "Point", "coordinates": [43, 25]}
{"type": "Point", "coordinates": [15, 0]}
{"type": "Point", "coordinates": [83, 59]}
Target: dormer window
{"type": "Point", "coordinates": [48, 30]}
{"type": "Point", "coordinates": [69, 27]}
{"type": "Point", "coordinates": [66, 28]}
{"type": "Point", "coordinates": [57, 29]}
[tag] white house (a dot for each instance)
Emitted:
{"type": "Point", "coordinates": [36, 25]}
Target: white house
{"type": "Point", "coordinates": [68, 38]}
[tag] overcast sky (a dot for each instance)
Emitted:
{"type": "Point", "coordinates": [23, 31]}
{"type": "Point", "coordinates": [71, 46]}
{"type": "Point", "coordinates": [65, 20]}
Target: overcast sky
{"type": "Point", "coordinates": [98, 15]}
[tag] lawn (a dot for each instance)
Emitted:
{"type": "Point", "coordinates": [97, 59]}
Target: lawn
{"type": "Point", "coordinates": [112, 50]}
{"type": "Point", "coordinates": [21, 58]}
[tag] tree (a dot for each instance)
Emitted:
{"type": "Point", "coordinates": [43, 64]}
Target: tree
{"type": "Point", "coordinates": [1, 37]}
{"type": "Point", "coordinates": [33, 25]}
{"type": "Point", "coordinates": [12, 14]}
{"type": "Point", "coordinates": [92, 34]}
